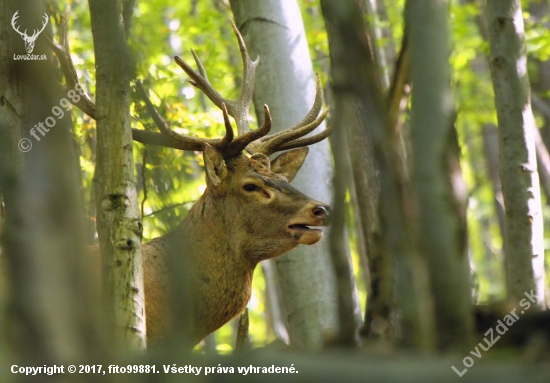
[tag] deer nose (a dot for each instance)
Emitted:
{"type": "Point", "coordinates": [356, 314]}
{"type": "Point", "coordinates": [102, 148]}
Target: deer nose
{"type": "Point", "coordinates": [321, 212]}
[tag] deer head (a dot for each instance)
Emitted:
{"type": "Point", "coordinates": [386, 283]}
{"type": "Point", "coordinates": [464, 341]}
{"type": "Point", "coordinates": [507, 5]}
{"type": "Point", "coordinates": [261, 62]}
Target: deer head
{"type": "Point", "coordinates": [262, 214]}
{"type": "Point", "coordinates": [29, 40]}
{"type": "Point", "coordinates": [258, 199]}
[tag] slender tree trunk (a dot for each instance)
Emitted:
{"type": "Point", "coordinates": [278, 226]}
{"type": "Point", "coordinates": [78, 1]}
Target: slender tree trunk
{"type": "Point", "coordinates": [376, 12]}
{"type": "Point", "coordinates": [273, 302]}
{"type": "Point", "coordinates": [518, 166]}
{"type": "Point", "coordinates": [347, 329]}
{"type": "Point", "coordinates": [349, 112]}
{"type": "Point", "coordinates": [358, 98]}
{"type": "Point", "coordinates": [118, 222]}
{"type": "Point", "coordinates": [274, 31]}
{"type": "Point", "coordinates": [437, 185]}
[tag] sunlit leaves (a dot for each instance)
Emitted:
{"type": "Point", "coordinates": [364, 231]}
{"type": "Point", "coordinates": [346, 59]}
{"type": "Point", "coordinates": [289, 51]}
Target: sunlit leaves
{"type": "Point", "coordinates": [537, 37]}
{"type": "Point", "coordinates": [169, 181]}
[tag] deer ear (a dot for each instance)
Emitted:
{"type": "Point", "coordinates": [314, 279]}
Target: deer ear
{"type": "Point", "coordinates": [216, 171]}
{"type": "Point", "coordinates": [288, 163]}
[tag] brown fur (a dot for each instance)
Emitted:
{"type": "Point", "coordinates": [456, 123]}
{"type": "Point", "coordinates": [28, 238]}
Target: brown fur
{"type": "Point", "coordinates": [224, 236]}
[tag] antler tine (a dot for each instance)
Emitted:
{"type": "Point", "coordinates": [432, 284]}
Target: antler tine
{"type": "Point", "coordinates": [291, 138]}
{"type": "Point", "coordinates": [305, 124]}
{"type": "Point", "coordinates": [317, 104]}
{"type": "Point", "coordinates": [228, 138]}
{"type": "Point", "coordinates": [247, 140]}
{"type": "Point", "coordinates": [202, 82]}
{"type": "Point", "coordinates": [238, 109]}
{"type": "Point", "coordinates": [183, 142]}
{"type": "Point", "coordinates": [247, 89]}
{"type": "Point", "coordinates": [271, 144]}
{"type": "Point", "coordinates": [202, 71]}
{"type": "Point", "coordinates": [306, 141]}
{"type": "Point", "coordinates": [289, 135]}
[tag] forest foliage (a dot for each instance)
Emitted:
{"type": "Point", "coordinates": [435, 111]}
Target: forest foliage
{"type": "Point", "coordinates": [169, 181]}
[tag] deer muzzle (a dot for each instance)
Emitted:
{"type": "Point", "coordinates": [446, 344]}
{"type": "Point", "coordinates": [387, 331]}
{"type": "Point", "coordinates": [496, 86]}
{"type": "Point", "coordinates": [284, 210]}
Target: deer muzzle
{"type": "Point", "coordinates": [303, 229]}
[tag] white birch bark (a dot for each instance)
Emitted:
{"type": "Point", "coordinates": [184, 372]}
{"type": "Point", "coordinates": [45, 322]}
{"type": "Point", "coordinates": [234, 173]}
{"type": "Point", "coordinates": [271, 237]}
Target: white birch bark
{"type": "Point", "coordinates": [118, 220]}
{"type": "Point", "coordinates": [518, 164]}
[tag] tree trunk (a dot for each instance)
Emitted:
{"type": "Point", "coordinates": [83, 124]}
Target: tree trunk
{"type": "Point", "coordinates": [274, 31]}
{"type": "Point", "coordinates": [274, 309]}
{"type": "Point", "coordinates": [50, 300]}
{"type": "Point", "coordinates": [437, 185]}
{"type": "Point", "coordinates": [118, 222]}
{"type": "Point", "coordinates": [376, 14]}
{"type": "Point", "coordinates": [343, 115]}
{"type": "Point", "coordinates": [358, 96]}
{"type": "Point", "coordinates": [539, 11]}
{"type": "Point", "coordinates": [518, 166]}
{"type": "Point", "coordinates": [349, 113]}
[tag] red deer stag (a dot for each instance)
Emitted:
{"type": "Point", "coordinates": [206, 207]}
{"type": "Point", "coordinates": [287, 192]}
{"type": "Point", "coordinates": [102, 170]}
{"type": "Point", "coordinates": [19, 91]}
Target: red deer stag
{"type": "Point", "coordinates": [248, 213]}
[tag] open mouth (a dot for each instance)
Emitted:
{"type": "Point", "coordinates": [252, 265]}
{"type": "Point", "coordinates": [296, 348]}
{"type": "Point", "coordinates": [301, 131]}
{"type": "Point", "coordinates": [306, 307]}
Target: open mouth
{"type": "Point", "coordinates": [299, 226]}
{"type": "Point", "coordinates": [305, 234]}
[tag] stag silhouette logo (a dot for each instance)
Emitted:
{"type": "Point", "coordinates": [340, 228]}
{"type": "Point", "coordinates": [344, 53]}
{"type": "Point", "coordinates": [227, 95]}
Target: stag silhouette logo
{"type": "Point", "coordinates": [29, 40]}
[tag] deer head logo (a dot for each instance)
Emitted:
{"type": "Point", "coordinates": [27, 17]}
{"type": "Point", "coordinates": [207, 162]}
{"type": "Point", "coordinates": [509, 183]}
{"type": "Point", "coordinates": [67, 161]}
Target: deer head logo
{"type": "Point", "coordinates": [29, 40]}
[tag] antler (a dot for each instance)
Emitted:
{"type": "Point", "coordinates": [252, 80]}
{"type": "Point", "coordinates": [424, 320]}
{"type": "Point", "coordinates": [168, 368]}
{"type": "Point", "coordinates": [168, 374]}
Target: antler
{"type": "Point", "coordinates": [257, 141]}
{"type": "Point", "coordinates": [228, 146]}
{"type": "Point", "coordinates": [292, 138]}
{"type": "Point", "coordinates": [254, 141]}
{"type": "Point", "coordinates": [238, 109]}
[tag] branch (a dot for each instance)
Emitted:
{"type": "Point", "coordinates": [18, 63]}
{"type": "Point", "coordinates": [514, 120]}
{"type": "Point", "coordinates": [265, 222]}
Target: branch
{"type": "Point", "coordinates": [63, 54]}
{"type": "Point", "coordinates": [399, 91]}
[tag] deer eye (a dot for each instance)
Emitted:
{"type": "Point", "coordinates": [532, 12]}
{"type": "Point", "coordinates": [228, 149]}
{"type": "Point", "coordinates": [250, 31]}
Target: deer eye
{"type": "Point", "coordinates": [251, 187]}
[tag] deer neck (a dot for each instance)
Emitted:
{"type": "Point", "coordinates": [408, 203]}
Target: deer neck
{"type": "Point", "coordinates": [209, 234]}
{"type": "Point", "coordinates": [221, 276]}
